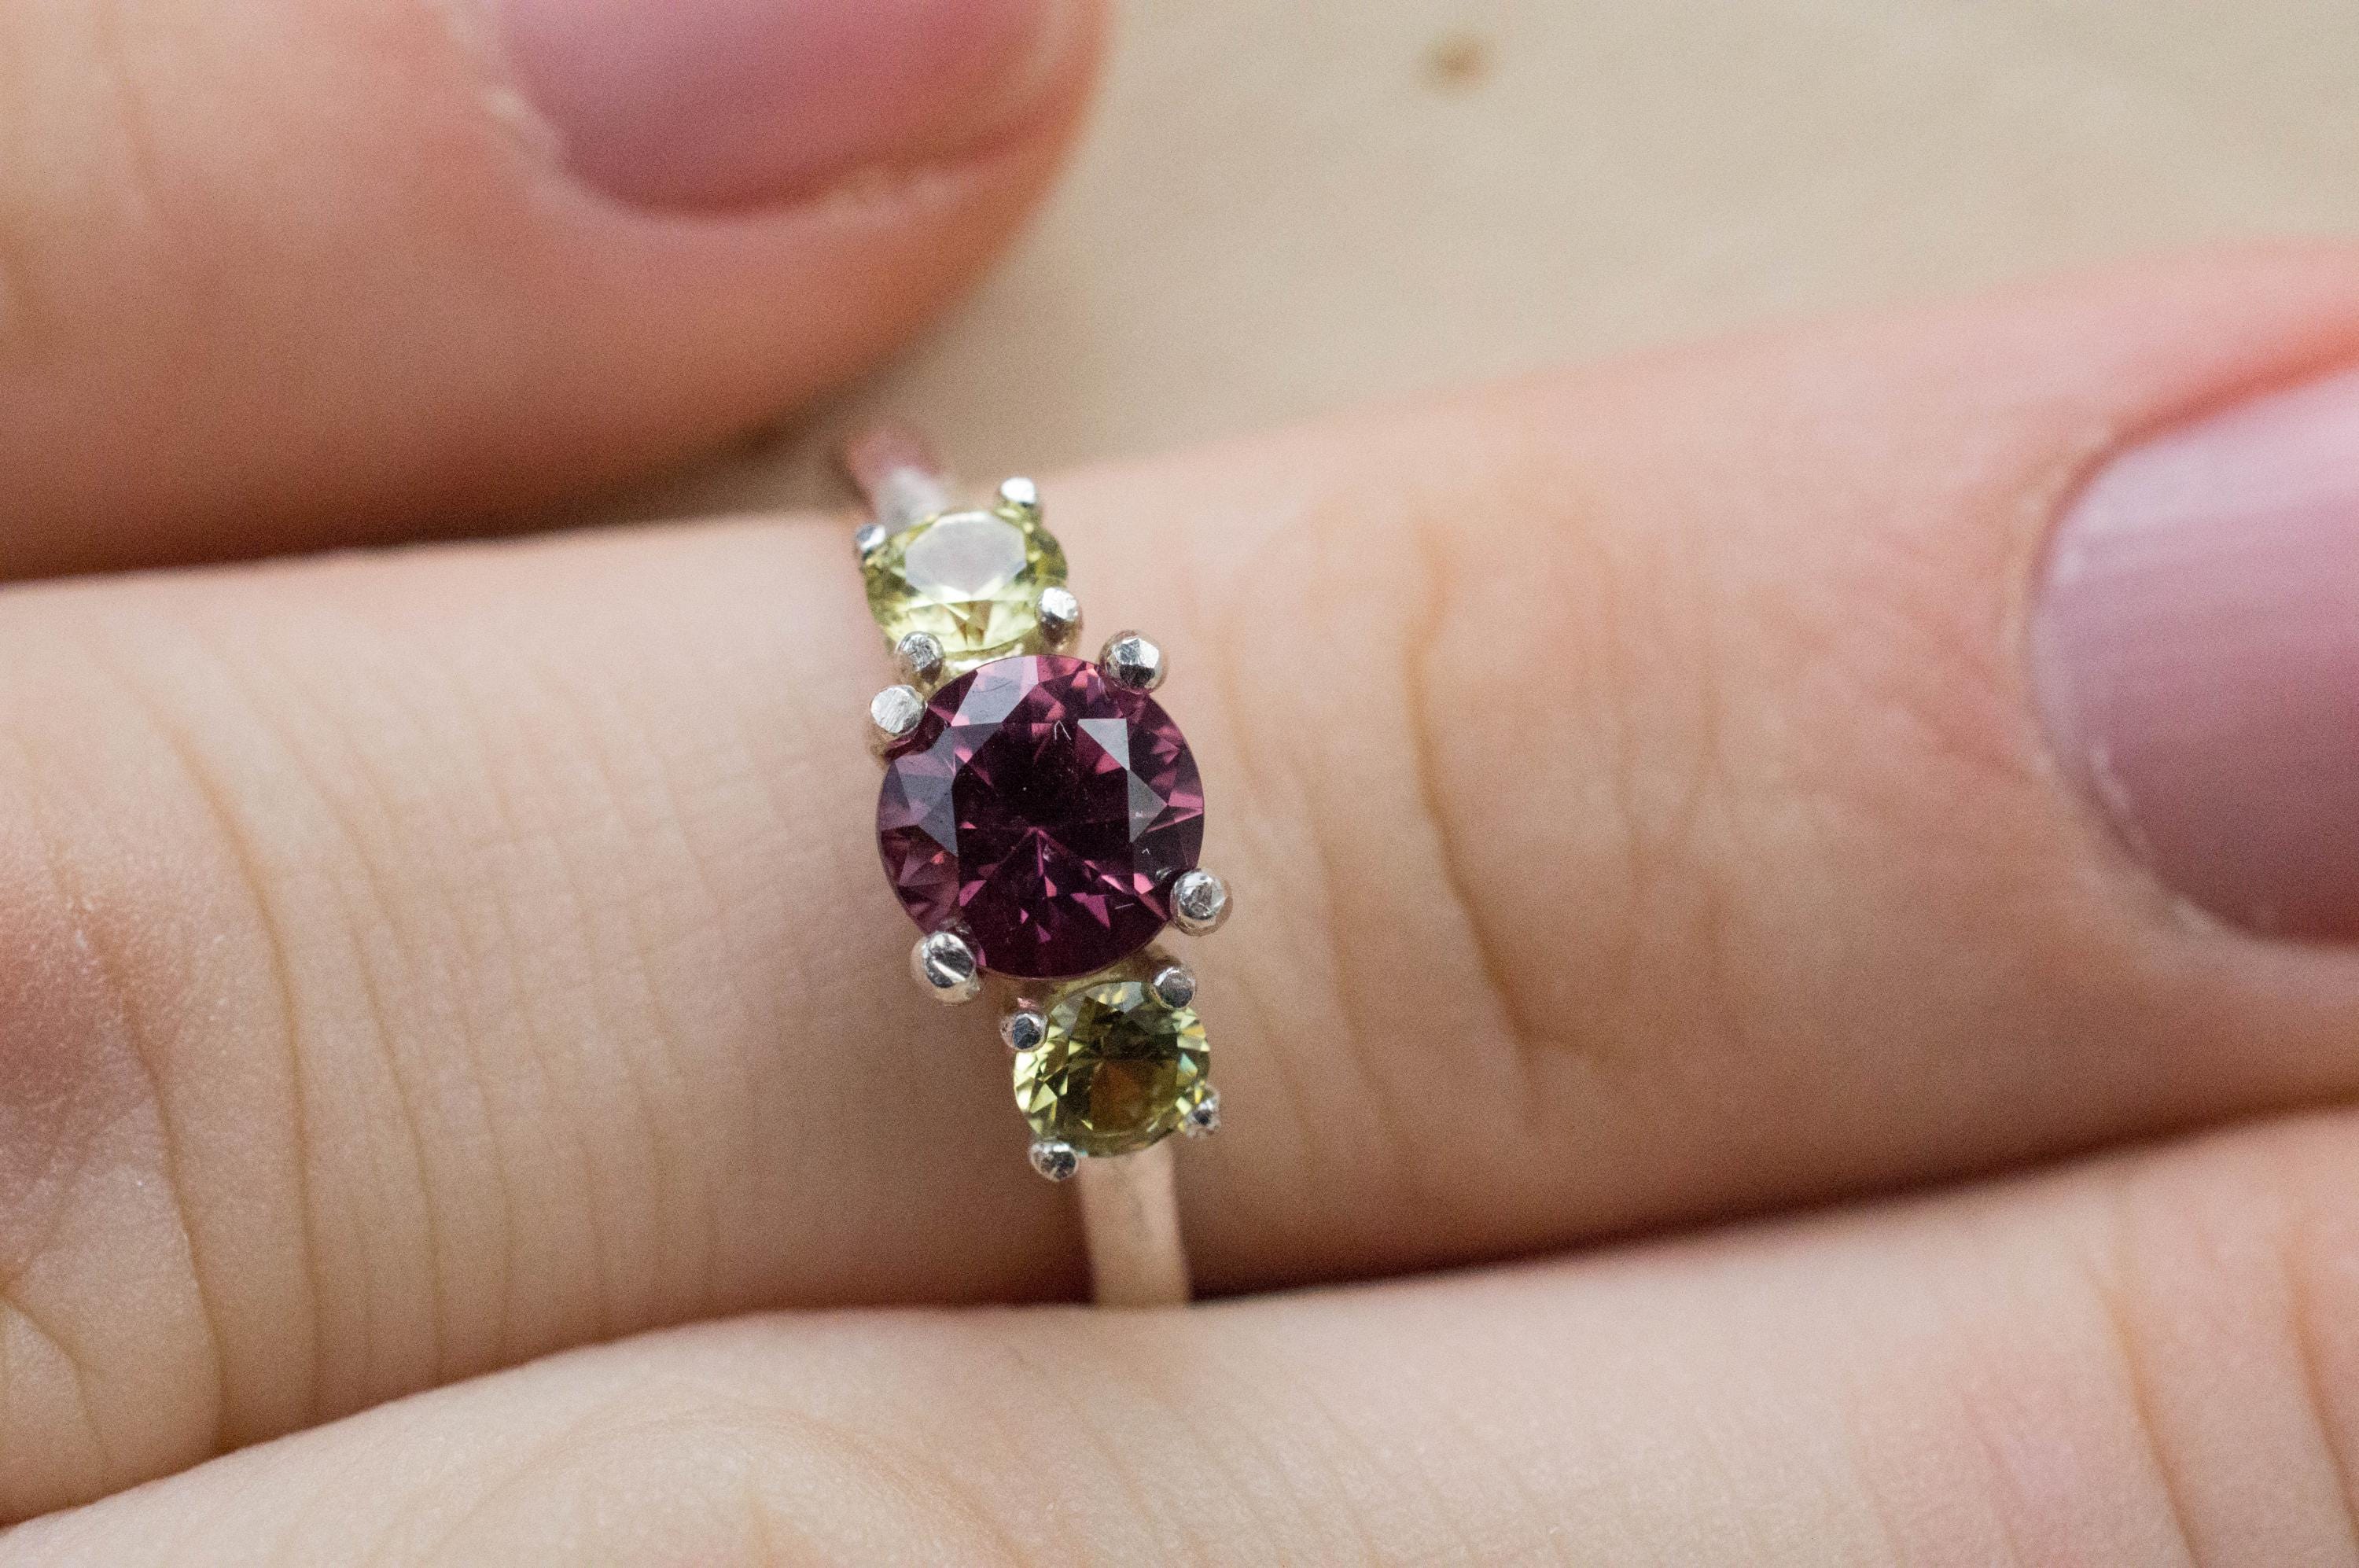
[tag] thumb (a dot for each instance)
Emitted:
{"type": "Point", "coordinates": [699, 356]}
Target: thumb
{"type": "Point", "coordinates": [300, 271]}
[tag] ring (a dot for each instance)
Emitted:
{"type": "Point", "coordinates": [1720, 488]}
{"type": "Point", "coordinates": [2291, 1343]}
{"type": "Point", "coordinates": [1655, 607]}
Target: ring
{"type": "Point", "coordinates": [1041, 820]}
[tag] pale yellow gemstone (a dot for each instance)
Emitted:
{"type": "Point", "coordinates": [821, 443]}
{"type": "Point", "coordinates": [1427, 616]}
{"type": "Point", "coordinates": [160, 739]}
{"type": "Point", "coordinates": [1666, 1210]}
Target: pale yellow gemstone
{"type": "Point", "coordinates": [1117, 1069]}
{"type": "Point", "coordinates": [972, 580]}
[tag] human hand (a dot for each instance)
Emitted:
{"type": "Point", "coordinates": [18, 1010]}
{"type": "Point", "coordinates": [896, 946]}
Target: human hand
{"type": "Point", "coordinates": [1658, 797]}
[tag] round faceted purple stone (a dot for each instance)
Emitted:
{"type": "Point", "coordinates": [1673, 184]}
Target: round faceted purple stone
{"type": "Point", "coordinates": [1045, 811]}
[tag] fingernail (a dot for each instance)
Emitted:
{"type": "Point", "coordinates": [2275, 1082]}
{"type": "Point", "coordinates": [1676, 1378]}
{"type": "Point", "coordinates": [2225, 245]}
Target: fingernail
{"type": "Point", "coordinates": [2195, 651]}
{"type": "Point", "coordinates": [717, 104]}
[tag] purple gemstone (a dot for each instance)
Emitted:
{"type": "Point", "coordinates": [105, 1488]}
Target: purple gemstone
{"type": "Point", "coordinates": [1045, 810]}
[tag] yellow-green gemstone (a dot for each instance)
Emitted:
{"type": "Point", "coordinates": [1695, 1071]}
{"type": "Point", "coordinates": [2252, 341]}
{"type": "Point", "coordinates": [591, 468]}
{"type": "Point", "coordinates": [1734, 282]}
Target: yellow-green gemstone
{"type": "Point", "coordinates": [1117, 1069]}
{"type": "Point", "coordinates": [971, 578]}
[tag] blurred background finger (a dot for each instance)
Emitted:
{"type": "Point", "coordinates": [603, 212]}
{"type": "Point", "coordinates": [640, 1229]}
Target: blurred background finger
{"type": "Point", "coordinates": [2151, 1360]}
{"type": "Point", "coordinates": [327, 272]}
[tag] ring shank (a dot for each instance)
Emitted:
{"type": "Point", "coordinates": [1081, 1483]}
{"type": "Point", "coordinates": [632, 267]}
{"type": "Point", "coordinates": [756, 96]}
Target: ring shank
{"type": "Point", "coordinates": [897, 474]}
{"type": "Point", "coordinates": [1130, 1217]}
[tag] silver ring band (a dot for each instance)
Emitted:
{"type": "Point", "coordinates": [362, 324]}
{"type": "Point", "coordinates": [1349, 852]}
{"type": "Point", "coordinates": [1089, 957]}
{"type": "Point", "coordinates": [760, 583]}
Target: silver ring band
{"type": "Point", "coordinates": [1130, 1220]}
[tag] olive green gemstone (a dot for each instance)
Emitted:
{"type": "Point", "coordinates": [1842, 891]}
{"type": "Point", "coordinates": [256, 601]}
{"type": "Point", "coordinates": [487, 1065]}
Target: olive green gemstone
{"type": "Point", "coordinates": [1117, 1070]}
{"type": "Point", "coordinates": [971, 578]}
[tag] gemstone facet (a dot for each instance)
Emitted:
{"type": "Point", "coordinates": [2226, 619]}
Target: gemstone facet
{"type": "Point", "coordinates": [970, 580]}
{"type": "Point", "coordinates": [1044, 813]}
{"type": "Point", "coordinates": [1118, 1069]}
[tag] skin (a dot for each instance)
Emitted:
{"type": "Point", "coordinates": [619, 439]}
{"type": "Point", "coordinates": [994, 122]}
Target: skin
{"type": "Point", "coordinates": [425, 966]}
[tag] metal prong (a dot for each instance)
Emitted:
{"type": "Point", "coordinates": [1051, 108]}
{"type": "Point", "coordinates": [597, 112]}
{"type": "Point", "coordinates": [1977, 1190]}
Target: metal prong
{"type": "Point", "coordinates": [1129, 659]}
{"type": "Point", "coordinates": [868, 539]}
{"type": "Point", "coordinates": [1174, 985]}
{"type": "Point", "coordinates": [1200, 902]}
{"type": "Point", "coordinates": [1060, 617]}
{"type": "Point", "coordinates": [1023, 1028]}
{"type": "Point", "coordinates": [921, 656]}
{"type": "Point", "coordinates": [1020, 496]}
{"type": "Point", "coordinates": [1055, 1159]}
{"type": "Point", "coordinates": [1203, 1117]}
{"type": "Point", "coordinates": [946, 968]}
{"type": "Point", "coordinates": [892, 714]}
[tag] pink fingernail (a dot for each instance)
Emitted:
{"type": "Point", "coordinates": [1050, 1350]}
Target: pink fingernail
{"type": "Point", "coordinates": [2196, 652]}
{"type": "Point", "coordinates": [733, 103]}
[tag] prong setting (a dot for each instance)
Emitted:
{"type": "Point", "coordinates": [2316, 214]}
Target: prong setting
{"type": "Point", "coordinates": [1131, 661]}
{"type": "Point", "coordinates": [893, 713]}
{"type": "Point", "coordinates": [1107, 1054]}
{"type": "Point", "coordinates": [1174, 986]}
{"type": "Point", "coordinates": [1200, 902]}
{"type": "Point", "coordinates": [1023, 1028]}
{"type": "Point", "coordinates": [945, 967]}
{"type": "Point", "coordinates": [1021, 496]}
{"type": "Point", "coordinates": [920, 657]}
{"type": "Point", "coordinates": [1060, 617]}
{"type": "Point", "coordinates": [1055, 1159]}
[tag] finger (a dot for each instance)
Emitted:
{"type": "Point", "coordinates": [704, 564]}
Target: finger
{"type": "Point", "coordinates": [2148, 1361]}
{"type": "Point", "coordinates": [348, 270]}
{"type": "Point", "coordinates": [430, 963]}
